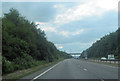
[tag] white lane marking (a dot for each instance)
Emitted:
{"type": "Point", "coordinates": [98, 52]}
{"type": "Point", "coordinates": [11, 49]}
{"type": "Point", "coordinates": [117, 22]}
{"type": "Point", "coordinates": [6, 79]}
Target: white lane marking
{"type": "Point", "coordinates": [102, 80]}
{"type": "Point", "coordinates": [44, 72]}
{"type": "Point", "coordinates": [110, 66]}
{"type": "Point", "coordinates": [85, 69]}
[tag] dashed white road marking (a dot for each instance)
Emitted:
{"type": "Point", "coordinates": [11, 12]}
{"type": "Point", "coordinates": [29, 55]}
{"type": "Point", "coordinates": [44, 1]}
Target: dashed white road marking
{"type": "Point", "coordinates": [102, 80]}
{"type": "Point", "coordinates": [85, 69]}
{"type": "Point", "coordinates": [44, 72]}
{"type": "Point", "coordinates": [110, 66]}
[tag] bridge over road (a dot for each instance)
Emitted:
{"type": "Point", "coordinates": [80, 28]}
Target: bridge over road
{"type": "Point", "coordinates": [75, 55]}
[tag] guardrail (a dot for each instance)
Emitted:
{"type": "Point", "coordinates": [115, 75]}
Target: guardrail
{"type": "Point", "coordinates": [109, 60]}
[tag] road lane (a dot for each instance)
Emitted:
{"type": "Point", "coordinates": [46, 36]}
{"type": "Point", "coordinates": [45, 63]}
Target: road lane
{"type": "Point", "coordinates": [68, 69]}
{"type": "Point", "coordinates": [77, 69]}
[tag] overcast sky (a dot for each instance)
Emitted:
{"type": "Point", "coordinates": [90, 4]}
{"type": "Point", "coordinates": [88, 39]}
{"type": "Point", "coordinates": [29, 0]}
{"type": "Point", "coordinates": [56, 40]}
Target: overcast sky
{"type": "Point", "coordinates": [71, 26]}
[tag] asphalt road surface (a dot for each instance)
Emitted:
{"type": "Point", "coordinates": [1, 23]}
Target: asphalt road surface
{"type": "Point", "coordinates": [75, 69]}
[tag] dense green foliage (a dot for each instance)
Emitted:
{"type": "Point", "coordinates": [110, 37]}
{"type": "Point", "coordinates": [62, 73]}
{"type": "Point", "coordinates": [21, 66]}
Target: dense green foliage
{"type": "Point", "coordinates": [24, 44]}
{"type": "Point", "coordinates": [109, 44]}
{"type": "Point", "coordinates": [0, 35]}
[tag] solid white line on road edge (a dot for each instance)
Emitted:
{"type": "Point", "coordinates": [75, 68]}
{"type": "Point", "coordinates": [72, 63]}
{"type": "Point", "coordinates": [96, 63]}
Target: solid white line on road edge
{"type": "Point", "coordinates": [85, 69]}
{"type": "Point", "coordinates": [44, 72]}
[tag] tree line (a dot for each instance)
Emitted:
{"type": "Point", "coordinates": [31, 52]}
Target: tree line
{"type": "Point", "coordinates": [109, 44]}
{"type": "Point", "coordinates": [24, 45]}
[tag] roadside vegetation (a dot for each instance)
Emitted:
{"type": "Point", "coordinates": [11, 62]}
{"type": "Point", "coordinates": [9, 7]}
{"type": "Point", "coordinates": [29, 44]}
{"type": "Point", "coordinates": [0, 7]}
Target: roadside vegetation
{"type": "Point", "coordinates": [109, 44]}
{"type": "Point", "coordinates": [24, 45]}
{"type": "Point", "coordinates": [22, 73]}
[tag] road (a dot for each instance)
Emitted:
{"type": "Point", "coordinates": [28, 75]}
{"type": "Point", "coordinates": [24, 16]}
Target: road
{"type": "Point", "coordinates": [76, 69]}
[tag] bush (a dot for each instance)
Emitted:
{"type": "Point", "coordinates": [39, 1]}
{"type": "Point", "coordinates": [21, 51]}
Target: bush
{"type": "Point", "coordinates": [7, 66]}
{"type": "Point", "coordinates": [25, 62]}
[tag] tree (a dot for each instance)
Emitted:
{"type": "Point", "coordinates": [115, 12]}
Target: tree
{"type": "Point", "coordinates": [109, 44]}
{"type": "Point", "coordinates": [23, 45]}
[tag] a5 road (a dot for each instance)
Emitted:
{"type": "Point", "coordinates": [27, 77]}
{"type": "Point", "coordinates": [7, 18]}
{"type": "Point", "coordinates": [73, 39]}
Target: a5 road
{"type": "Point", "coordinates": [75, 69]}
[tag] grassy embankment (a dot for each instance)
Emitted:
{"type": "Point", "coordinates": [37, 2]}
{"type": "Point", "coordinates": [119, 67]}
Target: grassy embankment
{"type": "Point", "coordinates": [22, 73]}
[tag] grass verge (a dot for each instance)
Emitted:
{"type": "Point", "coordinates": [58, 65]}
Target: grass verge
{"type": "Point", "coordinates": [22, 73]}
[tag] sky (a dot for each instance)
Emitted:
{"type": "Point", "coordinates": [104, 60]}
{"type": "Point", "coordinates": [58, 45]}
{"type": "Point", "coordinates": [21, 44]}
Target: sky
{"type": "Point", "coordinates": [71, 26]}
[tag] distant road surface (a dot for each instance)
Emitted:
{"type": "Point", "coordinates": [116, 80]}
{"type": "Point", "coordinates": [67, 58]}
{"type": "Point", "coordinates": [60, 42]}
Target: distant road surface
{"type": "Point", "coordinates": [75, 69]}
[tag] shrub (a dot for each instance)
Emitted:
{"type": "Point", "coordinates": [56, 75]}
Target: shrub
{"type": "Point", "coordinates": [7, 66]}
